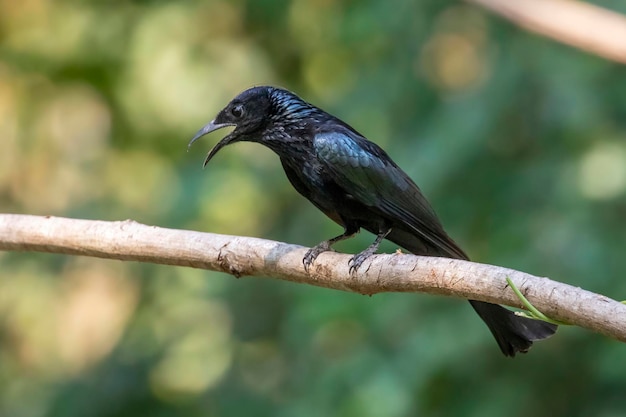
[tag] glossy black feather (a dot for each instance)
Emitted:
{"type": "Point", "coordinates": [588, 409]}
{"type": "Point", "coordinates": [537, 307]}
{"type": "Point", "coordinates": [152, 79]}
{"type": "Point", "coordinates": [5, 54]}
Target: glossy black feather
{"type": "Point", "coordinates": [355, 183]}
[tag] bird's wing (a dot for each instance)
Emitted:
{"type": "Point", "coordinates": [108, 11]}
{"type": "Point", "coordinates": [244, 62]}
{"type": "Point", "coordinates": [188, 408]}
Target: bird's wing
{"type": "Point", "coordinates": [367, 173]}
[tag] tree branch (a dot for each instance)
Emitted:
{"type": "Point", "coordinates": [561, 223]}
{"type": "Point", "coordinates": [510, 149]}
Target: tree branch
{"type": "Point", "coordinates": [242, 256]}
{"type": "Point", "coordinates": [582, 25]}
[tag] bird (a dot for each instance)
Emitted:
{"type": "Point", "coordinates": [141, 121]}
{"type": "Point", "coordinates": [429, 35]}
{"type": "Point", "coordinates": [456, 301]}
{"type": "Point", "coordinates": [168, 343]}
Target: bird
{"type": "Point", "coordinates": [357, 185]}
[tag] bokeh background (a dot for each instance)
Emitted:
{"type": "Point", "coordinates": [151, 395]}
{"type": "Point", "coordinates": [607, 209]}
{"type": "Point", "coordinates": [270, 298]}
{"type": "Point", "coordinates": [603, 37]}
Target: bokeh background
{"type": "Point", "coordinates": [517, 141]}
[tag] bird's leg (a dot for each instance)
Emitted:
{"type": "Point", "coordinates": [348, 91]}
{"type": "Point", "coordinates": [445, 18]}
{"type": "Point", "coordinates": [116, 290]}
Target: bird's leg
{"type": "Point", "coordinates": [325, 246]}
{"type": "Point", "coordinates": [359, 258]}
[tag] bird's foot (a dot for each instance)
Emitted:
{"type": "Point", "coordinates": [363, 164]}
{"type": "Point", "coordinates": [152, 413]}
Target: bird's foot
{"type": "Point", "coordinates": [357, 260]}
{"type": "Point", "coordinates": [314, 252]}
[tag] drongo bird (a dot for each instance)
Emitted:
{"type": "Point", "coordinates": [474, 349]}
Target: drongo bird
{"type": "Point", "coordinates": [355, 183]}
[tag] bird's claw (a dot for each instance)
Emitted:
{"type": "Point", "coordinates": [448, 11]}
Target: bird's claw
{"type": "Point", "coordinates": [354, 265]}
{"type": "Point", "coordinates": [357, 260]}
{"type": "Point", "coordinates": [308, 259]}
{"type": "Point", "coordinates": [313, 253]}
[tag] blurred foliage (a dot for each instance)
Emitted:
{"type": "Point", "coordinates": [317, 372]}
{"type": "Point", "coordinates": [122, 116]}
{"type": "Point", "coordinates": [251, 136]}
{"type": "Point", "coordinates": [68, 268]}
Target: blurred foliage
{"type": "Point", "coordinates": [517, 141]}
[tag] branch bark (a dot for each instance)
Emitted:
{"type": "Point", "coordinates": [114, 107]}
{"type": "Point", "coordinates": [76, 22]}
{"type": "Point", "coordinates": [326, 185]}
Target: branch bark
{"type": "Point", "coordinates": [243, 256]}
{"type": "Point", "coordinates": [582, 25]}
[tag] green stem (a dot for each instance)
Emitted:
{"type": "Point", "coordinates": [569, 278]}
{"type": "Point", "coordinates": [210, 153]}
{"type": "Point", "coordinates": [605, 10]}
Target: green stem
{"type": "Point", "coordinates": [533, 313]}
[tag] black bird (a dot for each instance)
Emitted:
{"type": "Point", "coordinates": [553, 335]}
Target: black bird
{"type": "Point", "coordinates": [355, 183]}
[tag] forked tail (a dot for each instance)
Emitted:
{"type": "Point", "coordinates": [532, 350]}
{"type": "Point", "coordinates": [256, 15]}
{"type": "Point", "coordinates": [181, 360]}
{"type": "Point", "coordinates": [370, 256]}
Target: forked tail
{"type": "Point", "coordinates": [513, 333]}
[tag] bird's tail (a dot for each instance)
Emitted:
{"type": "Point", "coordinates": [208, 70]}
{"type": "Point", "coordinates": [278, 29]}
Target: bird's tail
{"type": "Point", "coordinates": [512, 332]}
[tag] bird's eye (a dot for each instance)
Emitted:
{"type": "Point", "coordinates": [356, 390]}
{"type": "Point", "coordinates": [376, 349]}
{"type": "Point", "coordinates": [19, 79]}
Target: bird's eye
{"type": "Point", "coordinates": [237, 111]}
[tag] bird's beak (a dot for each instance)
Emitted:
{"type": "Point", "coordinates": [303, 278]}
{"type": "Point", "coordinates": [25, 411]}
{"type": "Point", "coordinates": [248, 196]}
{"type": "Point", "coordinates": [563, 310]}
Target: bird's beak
{"type": "Point", "coordinates": [211, 127]}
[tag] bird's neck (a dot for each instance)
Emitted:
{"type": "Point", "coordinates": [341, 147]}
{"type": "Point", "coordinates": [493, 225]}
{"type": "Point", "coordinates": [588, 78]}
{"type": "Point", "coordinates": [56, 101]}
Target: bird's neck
{"type": "Point", "coordinates": [289, 140]}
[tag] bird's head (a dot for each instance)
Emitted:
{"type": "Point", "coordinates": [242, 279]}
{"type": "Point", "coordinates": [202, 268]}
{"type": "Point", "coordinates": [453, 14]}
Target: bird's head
{"type": "Point", "coordinates": [253, 113]}
{"type": "Point", "coordinates": [248, 112]}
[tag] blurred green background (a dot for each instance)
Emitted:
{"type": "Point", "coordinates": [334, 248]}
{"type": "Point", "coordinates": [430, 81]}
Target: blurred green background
{"type": "Point", "coordinates": [517, 141]}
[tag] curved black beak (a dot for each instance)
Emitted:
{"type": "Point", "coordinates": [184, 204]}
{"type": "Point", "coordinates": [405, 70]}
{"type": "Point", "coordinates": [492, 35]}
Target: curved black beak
{"type": "Point", "coordinates": [211, 127]}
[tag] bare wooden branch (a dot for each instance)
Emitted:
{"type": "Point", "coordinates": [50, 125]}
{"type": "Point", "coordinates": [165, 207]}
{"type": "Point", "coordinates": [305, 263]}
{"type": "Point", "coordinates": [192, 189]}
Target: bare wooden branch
{"type": "Point", "coordinates": [582, 25]}
{"type": "Point", "coordinates": [243, 256]}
